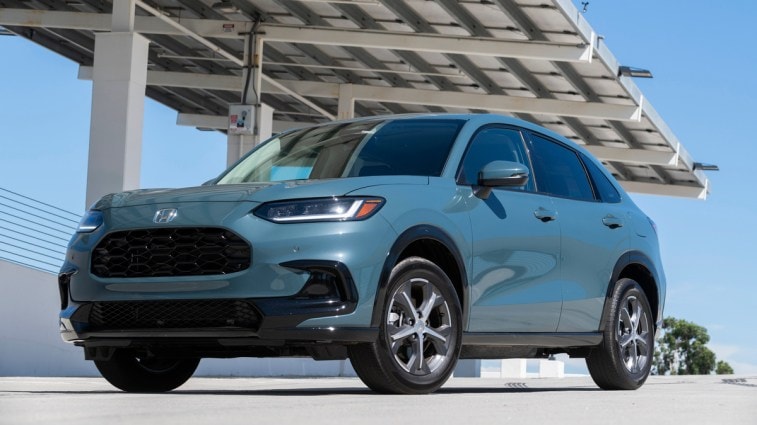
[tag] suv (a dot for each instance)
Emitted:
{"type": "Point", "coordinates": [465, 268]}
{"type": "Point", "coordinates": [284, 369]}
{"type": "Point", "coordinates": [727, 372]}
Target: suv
{"type": "Point", "coordinates": [400, 242]}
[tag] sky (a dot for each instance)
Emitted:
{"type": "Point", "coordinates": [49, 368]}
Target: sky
{"type": "Point", "coordinates": [704, 63]}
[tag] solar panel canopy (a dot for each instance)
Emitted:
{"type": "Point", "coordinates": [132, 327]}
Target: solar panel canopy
{"type": "Point", "coordinates": [538, 60]}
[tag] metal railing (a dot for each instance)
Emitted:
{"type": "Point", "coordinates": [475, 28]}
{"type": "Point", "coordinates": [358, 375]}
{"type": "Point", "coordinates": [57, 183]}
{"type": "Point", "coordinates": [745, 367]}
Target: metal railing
{"type": "Point", "coordinates": [34, 233]}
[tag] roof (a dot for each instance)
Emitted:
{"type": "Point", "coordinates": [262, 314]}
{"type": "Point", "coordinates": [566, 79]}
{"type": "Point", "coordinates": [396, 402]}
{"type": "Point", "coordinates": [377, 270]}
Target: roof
{"type": "Point", "coordinates": [538, 60]}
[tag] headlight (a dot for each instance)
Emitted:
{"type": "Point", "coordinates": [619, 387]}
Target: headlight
{"type": "Point", "coordinates": [90, 222]}
{"type": "Point", "coordinates": [323, 209]}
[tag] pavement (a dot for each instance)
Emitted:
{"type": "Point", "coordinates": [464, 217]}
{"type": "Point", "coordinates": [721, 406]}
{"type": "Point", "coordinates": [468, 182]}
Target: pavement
{"type": "Point", "coordinates": [221, 401]}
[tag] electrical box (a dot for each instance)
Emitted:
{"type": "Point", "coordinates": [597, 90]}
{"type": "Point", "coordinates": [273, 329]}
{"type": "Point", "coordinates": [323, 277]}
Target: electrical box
{"type": "Point", "coordinates": [242, 119]}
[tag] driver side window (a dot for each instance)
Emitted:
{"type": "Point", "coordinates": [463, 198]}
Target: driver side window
{"type": "Point", "coordinates": [493, 144]}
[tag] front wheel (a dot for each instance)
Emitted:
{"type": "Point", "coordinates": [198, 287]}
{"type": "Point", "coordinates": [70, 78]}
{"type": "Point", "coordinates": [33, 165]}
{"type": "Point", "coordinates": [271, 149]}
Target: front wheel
{"type": "Point", "coordinates": [420, 333]}
{"type": "Point", "coordinates": [624, 359]}
{"type": "Point", "coordinates": [130, 373]}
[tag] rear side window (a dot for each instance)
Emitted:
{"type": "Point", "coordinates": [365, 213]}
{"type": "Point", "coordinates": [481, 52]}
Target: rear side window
{"type": "Point", "coordinates": [606, 190]}
{"type": "Point", "coordinates": [558, 170]}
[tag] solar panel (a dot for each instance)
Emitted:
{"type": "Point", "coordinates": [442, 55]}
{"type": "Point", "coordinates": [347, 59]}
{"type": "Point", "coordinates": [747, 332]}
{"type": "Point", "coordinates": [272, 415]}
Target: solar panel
{"type": "Point", "coordinates": [538, 60]}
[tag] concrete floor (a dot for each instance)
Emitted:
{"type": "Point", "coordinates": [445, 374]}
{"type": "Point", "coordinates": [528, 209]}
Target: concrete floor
{"type": "Point", "coordinates": [221, 401]}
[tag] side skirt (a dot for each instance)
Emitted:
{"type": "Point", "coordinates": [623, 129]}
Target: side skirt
{"type": "Point", "coordinates": [527, 345]}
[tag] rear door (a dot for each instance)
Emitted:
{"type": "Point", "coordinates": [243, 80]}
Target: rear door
{"type": "Point", "coordinates": [594, 229]}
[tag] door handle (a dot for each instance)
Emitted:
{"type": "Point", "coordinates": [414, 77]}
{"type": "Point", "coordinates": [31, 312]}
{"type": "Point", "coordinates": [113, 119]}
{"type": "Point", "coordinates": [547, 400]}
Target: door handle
{"type": "Point", "coordinates": [545, 215]}
{"type": "Point", "coordinates": [612, 222]}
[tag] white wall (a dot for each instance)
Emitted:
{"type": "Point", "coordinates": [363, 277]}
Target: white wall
{"type": "Point", "coordinates": [30, 344]}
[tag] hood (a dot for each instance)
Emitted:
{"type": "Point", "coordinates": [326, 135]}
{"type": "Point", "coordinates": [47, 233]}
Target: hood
{"type": "Point", "coordinates": [253, 192]}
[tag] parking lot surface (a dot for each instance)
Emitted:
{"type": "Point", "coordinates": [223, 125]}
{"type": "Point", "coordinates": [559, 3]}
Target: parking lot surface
{"type": "Point", "coordinates": [221, 401]}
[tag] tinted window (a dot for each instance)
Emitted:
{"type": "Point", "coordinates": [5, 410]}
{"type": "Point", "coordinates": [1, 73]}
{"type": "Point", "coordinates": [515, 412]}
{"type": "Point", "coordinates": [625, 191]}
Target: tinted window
{"type": "Point", "coordinates": [407, 147]}
{"type": "Point", "coordinates": [492, 144]}
{"type": "Point", "coordinates": [606, 190]}
{"type": "Point", "coordinates": [558, 170]}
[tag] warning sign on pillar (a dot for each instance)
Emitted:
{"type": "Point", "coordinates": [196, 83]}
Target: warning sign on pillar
{"type": "Point", "coordinates": [242, 119]}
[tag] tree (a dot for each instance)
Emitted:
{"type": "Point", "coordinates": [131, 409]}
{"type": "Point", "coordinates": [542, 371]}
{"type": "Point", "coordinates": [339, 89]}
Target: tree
{"type": "Point", "coordinates": [723, 368]}
{"type": "Point", "coordinates": [682, 350]}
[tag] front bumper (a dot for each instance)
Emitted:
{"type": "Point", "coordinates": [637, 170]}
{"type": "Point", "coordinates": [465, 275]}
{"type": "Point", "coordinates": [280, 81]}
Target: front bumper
{"type": "Point", "coordinates": [328, 292]}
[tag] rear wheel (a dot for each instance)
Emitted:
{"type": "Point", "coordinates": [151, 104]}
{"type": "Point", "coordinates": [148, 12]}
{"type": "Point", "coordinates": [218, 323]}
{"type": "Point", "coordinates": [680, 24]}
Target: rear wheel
{"type": "Point", "coordinates": [130, 373]}
{"type": "Point", "coordinates": [420, 332]}
{"type": "Point", "coordinates": [624, 359]}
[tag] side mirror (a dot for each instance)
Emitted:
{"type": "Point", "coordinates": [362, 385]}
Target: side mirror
{"type": "Point", "coordinates": [501, 174]}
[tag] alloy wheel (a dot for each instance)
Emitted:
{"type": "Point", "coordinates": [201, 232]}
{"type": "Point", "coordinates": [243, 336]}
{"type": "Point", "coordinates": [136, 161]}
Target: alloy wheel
{"type": "Point", "coordinates": [633, 334]}
{"type": "Point", "coordinates": [419, 325]}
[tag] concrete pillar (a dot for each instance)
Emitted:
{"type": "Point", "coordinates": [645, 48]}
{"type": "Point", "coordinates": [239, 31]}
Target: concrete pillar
{"type": "Point", "coordinates": [238, 144]}
{"type": "Point", "coordinates": [265, 122]}
{"type": "Point", "coordinates": [346, 108]}
{"type": "Point", "coordinates": [118, 98]}
{"type": "Point", "coordinates": [122, 18]}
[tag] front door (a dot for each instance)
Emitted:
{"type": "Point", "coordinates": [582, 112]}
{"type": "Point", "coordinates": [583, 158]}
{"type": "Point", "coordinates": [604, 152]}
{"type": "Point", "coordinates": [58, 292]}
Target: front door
{"type": "Point", "coordinates": [515, 268]}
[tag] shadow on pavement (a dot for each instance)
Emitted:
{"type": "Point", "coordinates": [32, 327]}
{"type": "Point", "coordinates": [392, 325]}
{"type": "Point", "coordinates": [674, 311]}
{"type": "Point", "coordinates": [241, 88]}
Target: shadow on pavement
{"type": "Point", "coordinates": [299, 392]}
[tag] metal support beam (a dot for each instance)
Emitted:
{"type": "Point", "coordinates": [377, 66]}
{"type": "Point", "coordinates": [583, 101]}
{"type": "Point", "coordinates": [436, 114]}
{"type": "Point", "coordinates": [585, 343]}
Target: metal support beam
{"type": "Point", "coordinates": [201, 29]}
{"type": "Point", "coordinates": [221, 122]}
{"type": "Point", "coordinates": [499, 103]}
{"type": "Point", "coordinates": [696, 192]}
{"type": "Point", "coordinates": [103, 22]}
{"type": "Point", "coordinates": [436, 43]}
{"type": "Point", "coordinates": [278, 87]}
{"type": "Point", "coordinates": [183, 30]}
{"type": "Point", "coordinates": [401, 95]}
{"type": "Point", "coordinates": [228, 82]}
{"type": "Point", "coordinates": [182, 79]}
{"type": "Point", "coordinates": [634, 156]}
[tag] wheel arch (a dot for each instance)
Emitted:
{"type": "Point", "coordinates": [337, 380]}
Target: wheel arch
{"type": "Point", "coordinates": [433, 244]}
{"type": "Point", "coordinates": [637, 266]}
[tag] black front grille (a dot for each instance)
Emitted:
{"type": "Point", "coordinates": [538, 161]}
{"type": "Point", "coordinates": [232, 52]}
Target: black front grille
{"type": "Point", "coordinates": [173, 314]}
{"type": "Point", "coordinates": [170, 252]}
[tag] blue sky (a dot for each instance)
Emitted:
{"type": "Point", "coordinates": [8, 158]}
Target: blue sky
{"type": "Point", "coordinates": [704, 62]}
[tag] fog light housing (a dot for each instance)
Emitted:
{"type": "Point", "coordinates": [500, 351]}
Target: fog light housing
{"type": "Point", "coordinates": [64, 284]}
{"type": "Point", "coordinates": [320, 285]}
{"type": "Point", "coordinates": [327, 280]}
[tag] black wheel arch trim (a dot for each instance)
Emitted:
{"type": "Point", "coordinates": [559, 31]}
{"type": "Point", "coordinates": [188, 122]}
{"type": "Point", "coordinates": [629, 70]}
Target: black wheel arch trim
{"type": "Point", "coordinates": [628, 259]}
{"type": "Point", "coordinates": [404, 240]}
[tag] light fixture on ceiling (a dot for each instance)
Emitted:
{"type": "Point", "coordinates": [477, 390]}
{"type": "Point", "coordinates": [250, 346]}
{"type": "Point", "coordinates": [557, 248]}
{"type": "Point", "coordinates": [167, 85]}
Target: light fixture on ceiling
{"type": "Point", "coordinates": [225, 6]}
{"type": "Point", "coordinates": [629, 71]}
{"type": "Point", "coordinates": [705, 167]}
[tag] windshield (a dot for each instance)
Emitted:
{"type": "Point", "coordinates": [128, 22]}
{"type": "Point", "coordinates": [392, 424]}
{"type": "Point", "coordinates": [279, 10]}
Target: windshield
{"type": "Point", "coordinates": [417, 147]}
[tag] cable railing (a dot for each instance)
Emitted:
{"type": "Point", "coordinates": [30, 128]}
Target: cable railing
{"type": "Point", "coordinates": [34, 233]}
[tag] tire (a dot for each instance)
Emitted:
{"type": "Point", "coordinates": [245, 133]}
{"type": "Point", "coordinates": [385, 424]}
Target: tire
{"type": "Point", "coordinates": [129, 373]}
{"type": "Point", "coordinates": [420, 315]}
{"type": "Point", "coordinates": [624, 358]}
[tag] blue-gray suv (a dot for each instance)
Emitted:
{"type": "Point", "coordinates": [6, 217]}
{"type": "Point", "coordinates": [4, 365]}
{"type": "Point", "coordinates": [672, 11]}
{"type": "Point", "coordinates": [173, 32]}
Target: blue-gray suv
{"type": "Point", "coordinates": [403, 243]}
